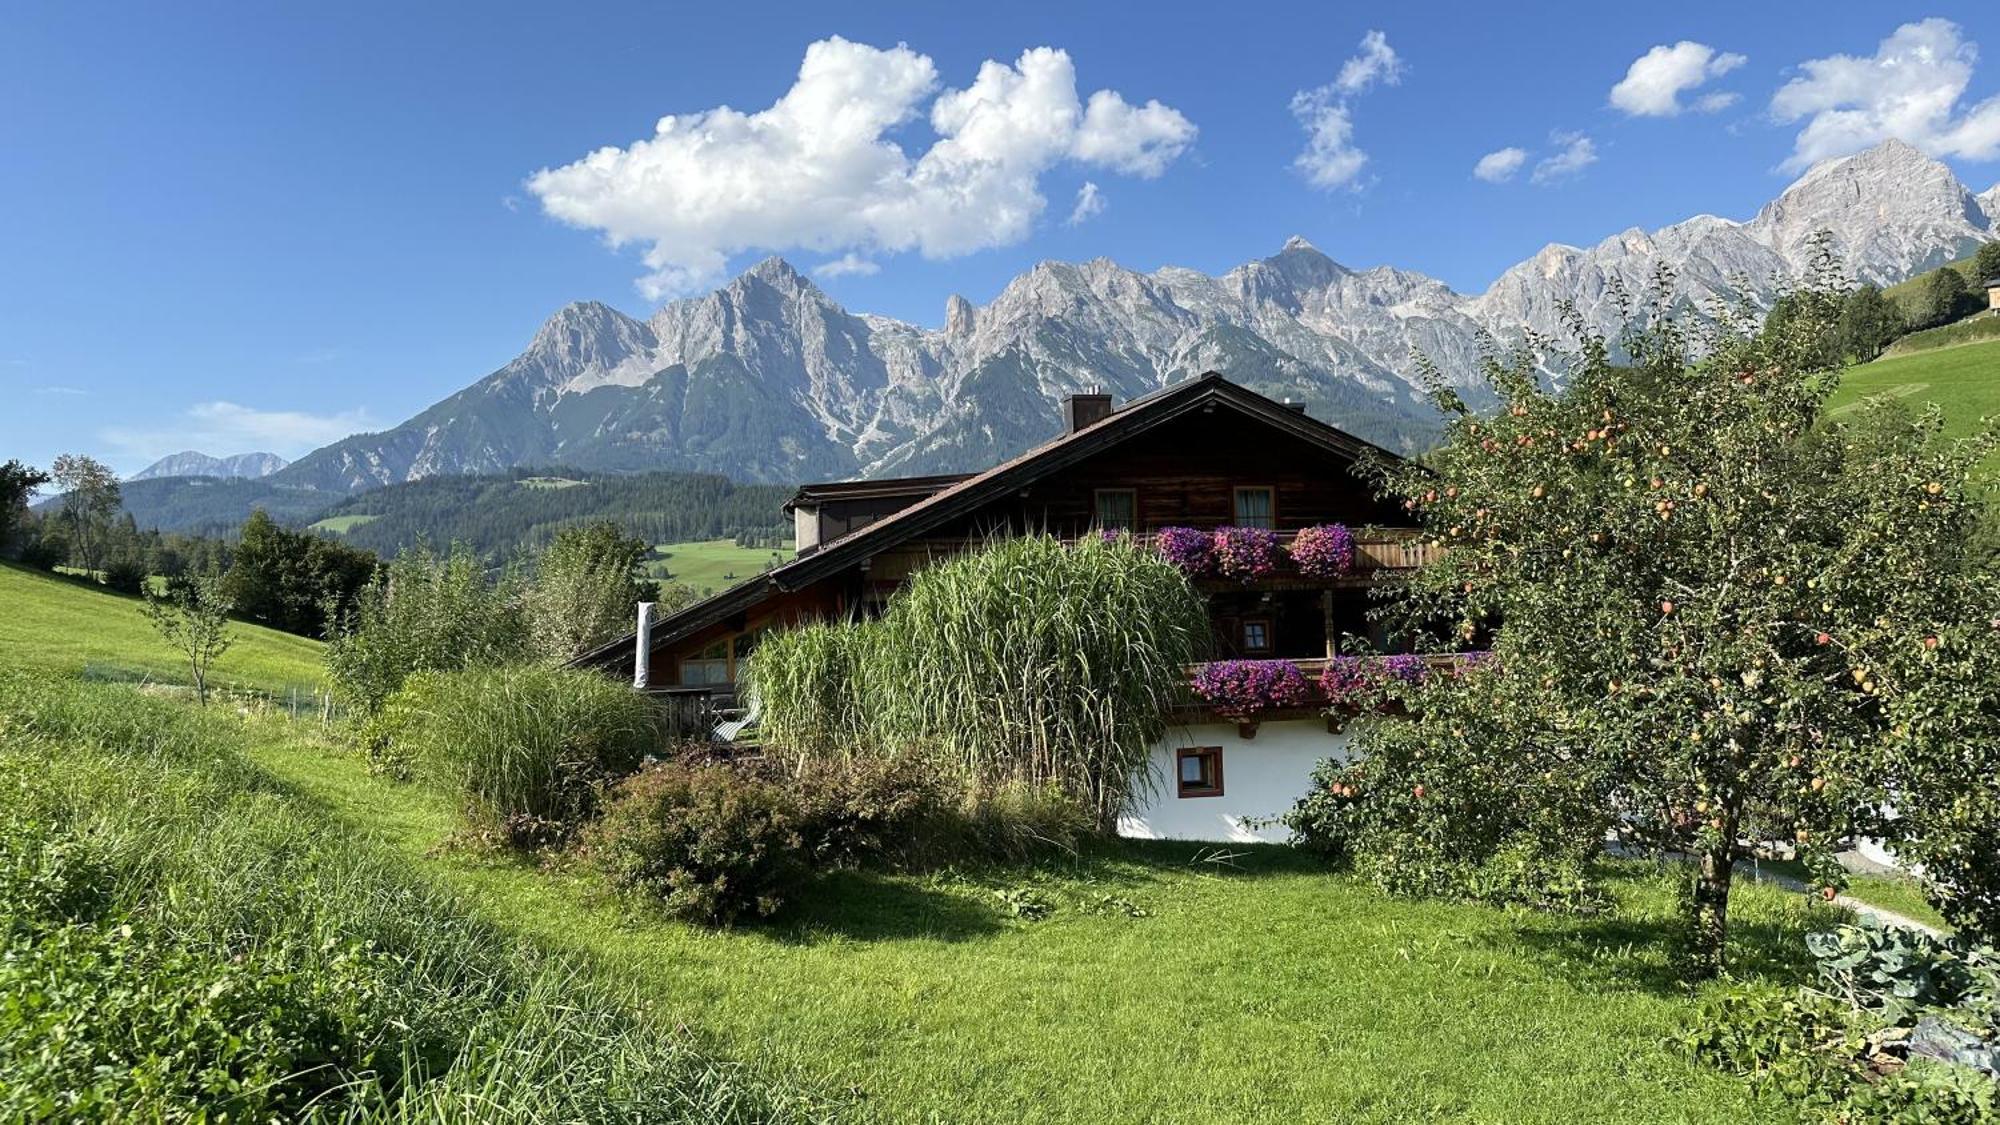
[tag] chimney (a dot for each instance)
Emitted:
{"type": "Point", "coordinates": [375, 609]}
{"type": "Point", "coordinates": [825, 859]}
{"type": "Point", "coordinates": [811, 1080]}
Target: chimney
{"type": "Point", "coordinates": [1081, 410]}
{"type": "Point", "coordinates": [642, 651]}
{"type": "Point", "coordinates": [1295, 407]}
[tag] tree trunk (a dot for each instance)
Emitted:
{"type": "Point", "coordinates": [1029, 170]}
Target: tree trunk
{"type": "Point", "coordinates": [1709, 921]}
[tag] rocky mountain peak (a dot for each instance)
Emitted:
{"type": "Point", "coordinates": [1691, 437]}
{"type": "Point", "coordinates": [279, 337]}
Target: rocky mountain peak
{"type": "Point", "coordinates": [769, 378]}
{"type": "Point", "coordinates": [958, 316]}
{"type": "Point", "coordinates": [192, 463]}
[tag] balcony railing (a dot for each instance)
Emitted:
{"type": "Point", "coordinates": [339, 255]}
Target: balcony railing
{"type": "Point", "coordinates": [1250, 691]}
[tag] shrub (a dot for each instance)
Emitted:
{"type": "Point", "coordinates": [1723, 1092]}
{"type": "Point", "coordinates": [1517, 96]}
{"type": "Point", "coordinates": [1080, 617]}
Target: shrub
{"type": "Point", "coordinates": [1245, 553]}
{"type": "Point", "coordinates": [1244, 689]}
{"type": "Point", "coordinates": [1324, 551]}
{"type": "Point", "coordinates": [708, 842]}
{"type": "Point", "coordinates": [126, 574]}
{"type": "Point", "coordinates": [528, 749]}
{"type": "Point", "coordinates": [876, 810]}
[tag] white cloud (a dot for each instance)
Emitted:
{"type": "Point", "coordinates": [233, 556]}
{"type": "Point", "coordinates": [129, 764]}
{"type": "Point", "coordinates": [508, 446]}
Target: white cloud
{"type": "Point", "coordinates": [1716, 102]}
{"type": "Point", "coordinates": [1577, 152]}
{"type": "Point", "coordinates": [1653, 85]}
{"type": "Point", "coordinates": [226, 428]}
{"type": "Point", "coordinates": [1909, 90]}
{"type": "Point", "coordinates": [1089, 204]}
{"type": "Point", "coordinates": [817, 170]}
{"type": "Point", "coordinates": [1330, 159]}
{"type": "Point", "coordinates": [72, 392]}
{"type": "Point", "coordinates": [1499, 165]}
{"type": "Point", "coordinates": [849, 264]}
{"type": "Point", "coordinates": [1377, 61]}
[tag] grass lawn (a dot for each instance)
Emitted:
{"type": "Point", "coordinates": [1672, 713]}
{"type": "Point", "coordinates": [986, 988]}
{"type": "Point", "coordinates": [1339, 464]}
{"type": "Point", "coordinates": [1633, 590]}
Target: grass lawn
{"type": "Point", "coordinates": [1964, 380]}
{"type": "Point", "coordinates": [714, 564]}
{"type": "Point", "coordinates": [50, 621]}
{"type": "Point", "coordinates": [1257, 989]}
{"type": "Point", "coordinates": [341, 525]}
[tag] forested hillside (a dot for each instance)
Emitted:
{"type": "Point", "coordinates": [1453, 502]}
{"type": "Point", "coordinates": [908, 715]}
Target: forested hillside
{"type": "Point", "coordinates": [499, 513]}
{"type": "Point", "coordinates": [211, 505]}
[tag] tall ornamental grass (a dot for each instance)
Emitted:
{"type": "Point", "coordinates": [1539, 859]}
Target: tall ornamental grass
{"type": "Point", "coordinates": [1028, 663]}
{"type": "Point", "coordinates": [181, 939]}
{"type": "Point", "coordinates": [528, 749]}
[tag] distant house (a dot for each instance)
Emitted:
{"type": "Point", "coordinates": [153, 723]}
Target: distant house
{"type": "Point", "coordinates": [1993, 293]}
{"type": "Point", "coordinates": [1202, 453]}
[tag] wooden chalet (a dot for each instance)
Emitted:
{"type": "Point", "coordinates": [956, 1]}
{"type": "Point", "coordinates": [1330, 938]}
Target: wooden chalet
{"type": "Point", "coordinates": [1202, 453]}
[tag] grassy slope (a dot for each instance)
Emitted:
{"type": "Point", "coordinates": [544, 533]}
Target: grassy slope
{"type": "Point", "coordinates": [710, 564]}
{"type": "Point", "coordinates": [52, 622]}
{"type": "Point", "coordinates": [340, 524]}
{"type": "Point", "coordinates": [1964, 381]}
{"type": "Point", "coordinates": [1266, 990]}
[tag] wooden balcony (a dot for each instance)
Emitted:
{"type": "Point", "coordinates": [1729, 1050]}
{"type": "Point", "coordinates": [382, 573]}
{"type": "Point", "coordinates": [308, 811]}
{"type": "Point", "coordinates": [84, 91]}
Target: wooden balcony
{"type": "Point", "coordinates": [1378, 553]}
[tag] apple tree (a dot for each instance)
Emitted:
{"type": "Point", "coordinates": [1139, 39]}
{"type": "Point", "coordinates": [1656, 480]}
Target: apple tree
{"type": "Point", "coordinates": [1723, 618]}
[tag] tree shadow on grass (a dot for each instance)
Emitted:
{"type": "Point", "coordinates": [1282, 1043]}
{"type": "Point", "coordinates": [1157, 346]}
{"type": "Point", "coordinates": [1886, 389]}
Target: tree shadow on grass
{"type": "Point", "coordinates": [1623, 951]}
{"type": "Point", "coordinates": [866, 906]}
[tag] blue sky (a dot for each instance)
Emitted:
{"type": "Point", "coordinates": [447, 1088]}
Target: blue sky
{"type": "Point", "coordinates": [250, 227]}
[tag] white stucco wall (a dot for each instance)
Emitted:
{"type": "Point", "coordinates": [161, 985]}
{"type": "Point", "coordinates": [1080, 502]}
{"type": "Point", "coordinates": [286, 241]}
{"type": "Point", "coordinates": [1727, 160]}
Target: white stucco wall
{"type": "Point", "coordinates": [1261, 777]}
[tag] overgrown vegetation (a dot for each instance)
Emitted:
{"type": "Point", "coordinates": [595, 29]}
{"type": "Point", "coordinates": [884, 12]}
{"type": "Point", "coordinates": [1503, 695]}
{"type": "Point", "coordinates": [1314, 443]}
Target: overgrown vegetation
{"type": "Point", "coordinates": [425, 612]}
{"type": "Point", "coordinates": [527, 749]}
{"type": "Point", "coordinates": [1898, 1027]}
{"type": "Point", "coordinates": [1027, 663]}
{"type": "Point", "coordinates": [182, 940]}
{"type": "Point", "coordinates": [1718, 621]}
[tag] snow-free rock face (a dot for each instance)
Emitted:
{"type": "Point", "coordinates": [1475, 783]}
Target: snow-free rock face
{"type": "Point", "coordinates": [768, 378]}
{"type": "Point", "coordinates": [248, 466]}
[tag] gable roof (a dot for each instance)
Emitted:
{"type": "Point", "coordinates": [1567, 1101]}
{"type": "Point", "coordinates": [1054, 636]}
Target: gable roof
{"type": "Point", "coordinates": [1204, 392]}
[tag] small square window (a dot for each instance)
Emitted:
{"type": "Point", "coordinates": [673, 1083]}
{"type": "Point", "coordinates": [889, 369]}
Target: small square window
{"type": "Point", "coordinates": [1198, 770]}
{"type": "Point", "coordinates": [1256, 635]}
{"type": "Point", "coordinates": [1117, 509]}
{"type": "Point", "coordinates": [1254, 508]}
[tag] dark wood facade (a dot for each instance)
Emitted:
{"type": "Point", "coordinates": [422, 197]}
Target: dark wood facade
{"type": "Point", "coordinates": [1205, 454]}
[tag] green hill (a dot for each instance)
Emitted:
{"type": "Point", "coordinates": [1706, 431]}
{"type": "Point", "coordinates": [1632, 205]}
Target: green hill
{"type": "Point", "coordinates": [48, 621]}
{"type": "Point", "coordinates": [1964, 381]}
{"type": "Point", "coordinates": [713, 564]}
{"type": "Point", "coordinates": [501, 513]}
{"type": "Point", "coordinates": [211, 505]}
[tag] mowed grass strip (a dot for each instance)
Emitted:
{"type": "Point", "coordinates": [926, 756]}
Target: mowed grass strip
{"type": "Point", "coordinates": [714, 564]}
{"type": "Point", "coordinates": [1254, 986]}
{"type": "Point", "coordinates": [67, 624]}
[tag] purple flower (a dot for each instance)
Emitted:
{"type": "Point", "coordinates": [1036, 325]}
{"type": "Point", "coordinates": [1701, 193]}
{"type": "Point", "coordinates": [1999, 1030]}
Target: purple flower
{"type": "Point", "coordinates": [1325, 551]}
{"type": "Point", "coordinates": [1190, 549]}
{"type": "Point", "coordinates": [1245, 553]}
{"type": "Point", "coordinates": [1240, 689]}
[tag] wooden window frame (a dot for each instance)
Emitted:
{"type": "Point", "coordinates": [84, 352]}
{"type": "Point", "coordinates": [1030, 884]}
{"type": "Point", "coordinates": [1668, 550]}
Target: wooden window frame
{"type": "Point", "coordinates": [1236, 505]}
{"type": "Point", "coordinates": [1096, 511]}
{"type": "Point", "coordinates": [1243, 635]}
{"type": "Point", "coordinates": [1181, 785]}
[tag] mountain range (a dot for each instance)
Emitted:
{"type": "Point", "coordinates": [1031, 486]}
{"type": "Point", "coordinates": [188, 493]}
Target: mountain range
{"type": "Point", "coordinates": [244, 466]}
{"type": "Point", "coordinates": [769, 379]}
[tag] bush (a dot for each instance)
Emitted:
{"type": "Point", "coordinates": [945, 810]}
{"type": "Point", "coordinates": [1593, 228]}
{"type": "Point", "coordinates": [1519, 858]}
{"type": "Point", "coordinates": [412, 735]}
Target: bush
{"type": "Point", "coordinates": [875, 810]}
{"type": "Point", "coordinates": [528, 749]}
{"type": "Point", "coordinates": [708, 842]}
{"type": "Point", "coordinates": [126, 574]}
